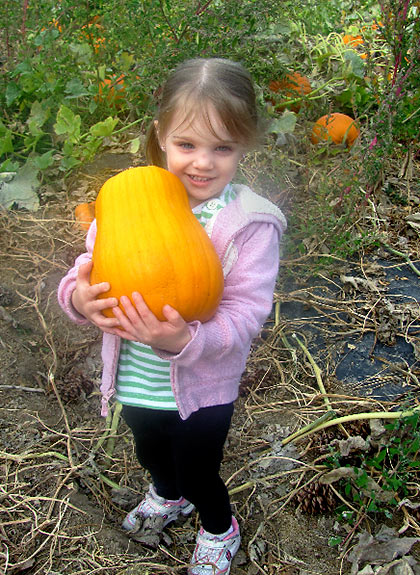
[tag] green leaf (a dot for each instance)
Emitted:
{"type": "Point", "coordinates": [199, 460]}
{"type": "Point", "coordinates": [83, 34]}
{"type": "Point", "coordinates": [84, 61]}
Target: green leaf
{"type": "Point", "coordinates": [414, 446]}
{"type": "Point", "coordinates": [285, 124]}
{"type": "Point", "coordinates": [101, 72]}
{"type": "Point", "coordinates": [380, 456]}
{"type": "Point", "coordinates": [13, 92]}
{"type": "Point", "coordinates": [104, 129]}
{"type": "Point", "coordinates": [9, 166]}
{"type": "Point", "coordinates": [20, 192]}
{"type": "Point", "coordinates": [355, 62]}
{"type": "Point", "coordinates": [75, 89]}
{"type": "Point", "coordinates": [125, 61]}
{"type": "Point", "coordinates": [334, 541]}
{"type": "Point", "coordinates": [44, 161]}
{"type": "Point", "coordinates": [24, 67]}
{"type": "Point", "coordinates": [68, 163]}
{"type": "Point", "coordinates": [67, 124]}
{"type": "Point", "coordinates": [82, 52]}
{"type": "Point", "coordinates": [68, 148]}
{"type": "Point", "coordinates": [40, 113]}
{"type": "Point", "coordinates": [6, 142]}
{"type": "Point", "coordinates": [361, 478]}
{"type": "Point", "coordinates": [92, 106]}
{"type": "Point", "coordinates": [134, 146]}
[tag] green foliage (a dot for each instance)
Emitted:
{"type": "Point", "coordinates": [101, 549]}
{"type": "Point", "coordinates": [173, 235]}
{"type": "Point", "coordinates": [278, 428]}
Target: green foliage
{"type": "Point", "coordinates": [324, 17]}
{"type": "Point", "coordinates": [54, 71]}
{"type": "Point", "coordinates": [331, 225]}
{"type": "Point", "coordinates": [62, 98]}
{"type": "Point", "coordinates": [393, 128]}
{"type": "Point", "coordinates": [384, 474]}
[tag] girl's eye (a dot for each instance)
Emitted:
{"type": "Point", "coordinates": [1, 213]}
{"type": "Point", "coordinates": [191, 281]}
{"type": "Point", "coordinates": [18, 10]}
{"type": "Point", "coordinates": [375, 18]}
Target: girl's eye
{"type": "Point", "coordinates": [186, 145]}
{"type": "Point", "coordinates": [223, 149]}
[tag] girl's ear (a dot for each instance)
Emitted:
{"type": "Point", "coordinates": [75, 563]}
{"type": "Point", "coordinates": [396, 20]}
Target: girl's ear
{"type": "Point", "coordinates": [161, 144]}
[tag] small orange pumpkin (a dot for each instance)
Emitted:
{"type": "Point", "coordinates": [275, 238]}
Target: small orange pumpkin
{"type": "Point", "coordinates": [337, 127]}
{"type": "Point", "coordinates": [352, 41]}
{"type": "Point", "coordinates": [148, 240]}
{"type": "Point", "coordinates": [293, 85]}
{"type": "Point", "coordinates": [85, 214]}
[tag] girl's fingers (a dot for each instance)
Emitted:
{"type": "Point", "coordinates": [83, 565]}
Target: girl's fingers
{"type": "Point", "coordinates": [104, 303]}
{"type": "Point", "coordinates": [128, 318]}
{"type": "Point", "coordinates": [122, 333]}
{"type": "Point", "coordinates": [84, 271]}
{"type": "Point", "coordinates": [172, 316]}
{"type": "Point", "coordinates": [97, 289]}
{"type": "Point", "coordinates": [141, 304]}
{"type": "Point", "coordinates": [108, 323]}
{"type": "Point", "coordinates": [139, 312]}
{"type": "Point", "coordinates": [83, 275]}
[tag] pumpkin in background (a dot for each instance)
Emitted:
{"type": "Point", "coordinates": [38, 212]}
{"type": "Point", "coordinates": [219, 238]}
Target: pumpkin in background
{"type": "Point", "coordinates": [92, 32]}
{"type": "Point", "coordinates": [292, 86]}
{"type": "Point", "coordinates": [112, 89]}
{"type": "Point", "coordinates": [340, 128]}
{"type": "Point", "coordinates": [148, 240]}
{"type": "Point", "coordinates": [352, 41]}
{"type": "Point", "coordinates": [85, 214]}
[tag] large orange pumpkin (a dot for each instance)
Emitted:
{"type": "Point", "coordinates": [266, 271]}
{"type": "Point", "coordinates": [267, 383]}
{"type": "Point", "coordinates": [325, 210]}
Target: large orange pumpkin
{"type": "Point", "coordinates": [148, 240]}
{"type": "Point", "coordinates": [340, 128]}
{"type": "Point", "coordinates": [293, 85]}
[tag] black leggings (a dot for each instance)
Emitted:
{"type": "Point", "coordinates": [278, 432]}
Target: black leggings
{"type": "Point", "coordinates": [183, 457]}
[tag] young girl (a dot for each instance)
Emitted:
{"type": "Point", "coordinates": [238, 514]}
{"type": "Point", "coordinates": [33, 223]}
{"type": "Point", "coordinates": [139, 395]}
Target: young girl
{"type": "Point", "coordinates": [178, 381]}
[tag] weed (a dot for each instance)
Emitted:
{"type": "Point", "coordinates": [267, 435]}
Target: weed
{"type": "Point", "coordinates": [378, 479]}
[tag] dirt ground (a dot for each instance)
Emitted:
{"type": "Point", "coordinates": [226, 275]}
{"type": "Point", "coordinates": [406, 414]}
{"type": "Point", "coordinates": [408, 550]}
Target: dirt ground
{"type": "Point", "coordinates": [68, 476]}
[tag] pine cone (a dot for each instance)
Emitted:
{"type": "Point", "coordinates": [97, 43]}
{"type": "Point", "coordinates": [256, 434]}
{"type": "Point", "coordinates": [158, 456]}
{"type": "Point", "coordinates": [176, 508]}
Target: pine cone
{"type": "Point", "coordinates": [316, 498]}
{"type": "Point", "coordinates": [360, 427]}
{"type": "Point", "coordinates": [324, 439]}
{"type": "Point", "coordinates": [73, 385]}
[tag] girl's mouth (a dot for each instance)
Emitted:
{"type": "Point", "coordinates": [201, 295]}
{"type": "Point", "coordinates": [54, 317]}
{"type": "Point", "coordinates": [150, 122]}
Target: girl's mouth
{"type": "Point", "coordinates": [199, 179]}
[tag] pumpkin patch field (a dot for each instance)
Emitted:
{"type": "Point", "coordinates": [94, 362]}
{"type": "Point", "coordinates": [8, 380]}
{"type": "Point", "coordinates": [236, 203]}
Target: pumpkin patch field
{"type": "Point", "coordinates": [322, 460]}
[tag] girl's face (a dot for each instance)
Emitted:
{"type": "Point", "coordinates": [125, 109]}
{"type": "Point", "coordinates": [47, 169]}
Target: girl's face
{"type": "Point", "coordinates": [203, 161]}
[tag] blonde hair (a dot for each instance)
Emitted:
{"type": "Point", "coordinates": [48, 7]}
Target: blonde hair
{"type": "Point", "coordinates": [193, 87]}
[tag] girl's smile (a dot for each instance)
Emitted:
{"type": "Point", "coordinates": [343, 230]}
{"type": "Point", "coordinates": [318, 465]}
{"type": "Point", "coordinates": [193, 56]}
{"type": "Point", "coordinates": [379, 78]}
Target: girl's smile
{"type": "Point", "coordinates": [202, 155]}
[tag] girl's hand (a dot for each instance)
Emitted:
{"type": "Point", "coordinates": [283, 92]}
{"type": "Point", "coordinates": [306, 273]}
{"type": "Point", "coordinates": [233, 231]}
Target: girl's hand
{"type": "Point", "coordinates": [85, 300]}
{"type": "Point", "coordinates": [140, 324]}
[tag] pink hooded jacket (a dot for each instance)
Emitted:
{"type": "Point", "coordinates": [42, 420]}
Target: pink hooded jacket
{"type": "Point", "coordinates": [246, 235]}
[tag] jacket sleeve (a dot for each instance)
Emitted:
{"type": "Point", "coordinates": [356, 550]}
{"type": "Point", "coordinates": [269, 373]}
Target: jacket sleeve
{"type": "Point", "coordinates": [68, 283]}
{"type": "Point", "coordinates": [246, 303]}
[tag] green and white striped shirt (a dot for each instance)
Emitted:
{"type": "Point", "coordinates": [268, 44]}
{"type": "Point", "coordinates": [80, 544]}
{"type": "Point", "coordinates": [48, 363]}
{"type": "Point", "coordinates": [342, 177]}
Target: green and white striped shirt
{"type": "Point", "coordinates": [143, 378]}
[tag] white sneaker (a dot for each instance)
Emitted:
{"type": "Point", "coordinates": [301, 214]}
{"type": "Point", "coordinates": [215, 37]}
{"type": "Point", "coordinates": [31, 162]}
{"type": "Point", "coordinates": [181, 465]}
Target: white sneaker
{"type": "Point", "coordinates": [214, 556]}
{"type": "Point", "coordinates": [154, 505]}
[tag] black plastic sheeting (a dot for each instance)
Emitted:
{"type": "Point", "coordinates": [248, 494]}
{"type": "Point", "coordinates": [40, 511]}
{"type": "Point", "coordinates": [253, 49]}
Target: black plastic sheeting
{"type": "Point", "coordinates": [367, 367]}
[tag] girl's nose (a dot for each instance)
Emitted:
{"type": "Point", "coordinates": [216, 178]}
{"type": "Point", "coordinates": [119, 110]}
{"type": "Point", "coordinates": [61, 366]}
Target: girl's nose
{"type": "Point", "coordinates": [203, 160]}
